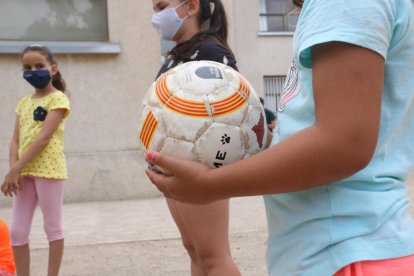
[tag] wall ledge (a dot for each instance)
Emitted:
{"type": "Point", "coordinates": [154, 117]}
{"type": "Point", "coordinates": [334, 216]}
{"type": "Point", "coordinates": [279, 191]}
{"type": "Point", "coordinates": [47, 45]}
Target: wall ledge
{"type": "Point", "coordinates": [60, 47]}
{"type": "Point", "coordinates": [262, 33]}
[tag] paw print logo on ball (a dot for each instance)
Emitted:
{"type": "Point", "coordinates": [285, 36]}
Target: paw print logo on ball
{"type": "Point", "coordinates": [39, 114]}
{"type": "Point", "coordinates": [225, 139]}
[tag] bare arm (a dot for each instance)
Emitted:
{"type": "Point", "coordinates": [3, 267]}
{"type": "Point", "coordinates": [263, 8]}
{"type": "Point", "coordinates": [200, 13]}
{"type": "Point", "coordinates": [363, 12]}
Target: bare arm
{"type": "Point", "coordinates": [14, 145]}
{"type": "Point", "coordinates": [347, 85]}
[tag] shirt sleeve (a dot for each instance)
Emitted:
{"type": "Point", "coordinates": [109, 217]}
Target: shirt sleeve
{"type": "Point", "coordinates": [367, 23]}
{"type": "Point", "coordinates": [19, 107]}
{"type": "Point", "coordinates": [60, 101]}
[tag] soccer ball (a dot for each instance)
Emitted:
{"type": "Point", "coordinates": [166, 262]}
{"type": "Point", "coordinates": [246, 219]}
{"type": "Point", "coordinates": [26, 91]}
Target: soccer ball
{"type": "Point", "coordinates": [203, 111]}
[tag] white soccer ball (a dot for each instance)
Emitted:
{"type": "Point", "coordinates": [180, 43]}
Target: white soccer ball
{"type": "Point", "coordinates": [203, 111]}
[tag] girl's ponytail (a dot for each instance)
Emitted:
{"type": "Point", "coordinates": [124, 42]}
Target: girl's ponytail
{"type": "Point", "coordinates": [298, 3]}
{"type": "Point", "coordinates": [218, 21]}
{"type": "Point", "coordinates": [217, 29]}
{"type": "Point", "coordinates": [58, 82]}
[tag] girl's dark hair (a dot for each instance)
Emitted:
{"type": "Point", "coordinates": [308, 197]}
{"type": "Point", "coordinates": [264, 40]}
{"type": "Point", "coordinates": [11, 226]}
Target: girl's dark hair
{"type": "Point", "coordinates": [298, 3]}
{"type": "Point", "coordinates": [217, 29]}
{"type": "Point", "coordinates": [58, 82]}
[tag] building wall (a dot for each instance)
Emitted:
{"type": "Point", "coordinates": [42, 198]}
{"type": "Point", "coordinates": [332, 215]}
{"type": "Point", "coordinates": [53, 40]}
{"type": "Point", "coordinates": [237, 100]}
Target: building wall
{"type": "Point", "coordinates": [258, 56]}
{"type": "Point", "coordinates": [106, 93]}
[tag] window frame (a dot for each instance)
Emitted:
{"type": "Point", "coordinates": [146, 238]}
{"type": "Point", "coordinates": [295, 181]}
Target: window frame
{"type": "Point", "coordinates": [66, 47]}
{"type": "Point", "coordinates": [263, 15]}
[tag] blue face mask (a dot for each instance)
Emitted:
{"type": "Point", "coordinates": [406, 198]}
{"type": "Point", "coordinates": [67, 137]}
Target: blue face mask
{"type": "Point", "coordinates": [38, 78]}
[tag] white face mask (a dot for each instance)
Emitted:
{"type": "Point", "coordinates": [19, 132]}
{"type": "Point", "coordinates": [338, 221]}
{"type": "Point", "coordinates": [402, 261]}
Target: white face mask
{"type": "Point", "coordinates": [168, 22]}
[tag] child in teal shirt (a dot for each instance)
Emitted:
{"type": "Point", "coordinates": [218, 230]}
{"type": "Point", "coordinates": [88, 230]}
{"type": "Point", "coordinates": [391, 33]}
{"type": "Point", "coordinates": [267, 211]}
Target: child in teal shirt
{"type": "Point", "coordinates": [335, 183]}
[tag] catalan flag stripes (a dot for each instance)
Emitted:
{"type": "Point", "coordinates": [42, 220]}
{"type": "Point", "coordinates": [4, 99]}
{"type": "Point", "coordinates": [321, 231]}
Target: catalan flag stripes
{"type": "Point", "coordinates": [148, 130]}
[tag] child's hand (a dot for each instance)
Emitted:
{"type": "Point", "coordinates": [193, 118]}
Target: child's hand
{"type": "Point", "coordinates": [188, 181]}
{"type": "Point", "coordinates": [9, 189]}
{"type": "Point", "coordinates": [11, 183]}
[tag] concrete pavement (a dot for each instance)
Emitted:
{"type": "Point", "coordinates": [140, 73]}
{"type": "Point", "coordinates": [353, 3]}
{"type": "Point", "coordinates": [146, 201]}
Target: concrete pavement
{"type": "Point", "coordinates": [140, 238]}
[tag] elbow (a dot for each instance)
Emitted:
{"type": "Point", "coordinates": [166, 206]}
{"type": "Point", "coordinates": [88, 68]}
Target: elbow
{"type": "Point", "coordinates": [361, 161]}
{"type": "Point", "coordinates": [358, 154]}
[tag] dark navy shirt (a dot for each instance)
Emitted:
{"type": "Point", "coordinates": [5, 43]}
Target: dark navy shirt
{"type": "Point", "coordinates": [208, 50]}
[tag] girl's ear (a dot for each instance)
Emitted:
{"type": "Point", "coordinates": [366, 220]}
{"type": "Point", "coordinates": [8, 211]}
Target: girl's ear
{"type": "Point", "coordinates": [193, 7]}
{"type": "Point", "coordinates": [54, 69]}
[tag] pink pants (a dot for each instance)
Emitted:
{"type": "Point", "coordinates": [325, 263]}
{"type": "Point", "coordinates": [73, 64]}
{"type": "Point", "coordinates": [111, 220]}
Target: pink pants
{"type": "Point", "coordinates": [49, 194]}
{"type": "Point", "coordinates": [5, 273]}
{"type": "Point", "coordinates": [392, 267]}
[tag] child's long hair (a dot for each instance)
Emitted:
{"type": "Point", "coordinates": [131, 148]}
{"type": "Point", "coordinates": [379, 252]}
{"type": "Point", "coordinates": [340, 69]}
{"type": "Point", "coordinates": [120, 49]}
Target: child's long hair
{"type": "Point", "coordinates": [58, 82]}
{"type": "Point", "coordinates": [298, 3]}
{"type": "Point", "coordinates": [217, 29]}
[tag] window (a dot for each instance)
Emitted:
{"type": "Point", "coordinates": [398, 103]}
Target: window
{"type": "Point", "coordinates": [58, 21]}
{"type": "Point", "coordinates": [277, 16]}
{"type": "Point", "coordinates": [273, 87]}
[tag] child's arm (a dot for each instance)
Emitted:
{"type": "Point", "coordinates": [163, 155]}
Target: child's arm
{"type": "Point", "coordinates": [7, 188]}
{"type": "Point", "coordinates": [14, 145]}
{"type": "Point", "coordinates": [347, 85]}
{"type": "Point", "coordinates": [50, 125]}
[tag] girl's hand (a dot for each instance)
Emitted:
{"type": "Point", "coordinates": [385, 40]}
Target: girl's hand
{"type": "Point", "coordinates": [188, 182]}
{"type": "Point", "coordinates": [11, 183]}
{"type": "Point", "coordinates": [8, 190]}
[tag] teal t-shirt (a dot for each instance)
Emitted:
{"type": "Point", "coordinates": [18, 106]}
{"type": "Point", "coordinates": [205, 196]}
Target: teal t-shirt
{"type": "Point", "coordinates": [363, 217]}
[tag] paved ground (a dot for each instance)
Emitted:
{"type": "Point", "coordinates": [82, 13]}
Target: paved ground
{"type": "Point", "coordinates": [139, 238]}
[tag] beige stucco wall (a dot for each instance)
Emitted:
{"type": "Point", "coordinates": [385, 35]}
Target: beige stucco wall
{"type": "Point", "coordinates": [258, 56]}
{"type": "Point", "coordinates": [105, 94]}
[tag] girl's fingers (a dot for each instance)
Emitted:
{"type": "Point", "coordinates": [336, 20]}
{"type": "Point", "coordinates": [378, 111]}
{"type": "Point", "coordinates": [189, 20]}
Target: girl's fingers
{"type": "Point", "coordinates": [5, 189]}
{"type": "Point", "coordinates": [9, 189]}
{"type": "Point", "coordinates": [163, 161]}
{"type": "Point", "coordinates": [155, 178]}
{"type": "Point", "coordinates": [160, 181]}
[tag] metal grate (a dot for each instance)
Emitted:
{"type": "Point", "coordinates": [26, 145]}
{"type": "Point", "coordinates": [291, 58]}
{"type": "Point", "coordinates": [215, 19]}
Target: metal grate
{"type": "Point", "coordinates": [273, 87]}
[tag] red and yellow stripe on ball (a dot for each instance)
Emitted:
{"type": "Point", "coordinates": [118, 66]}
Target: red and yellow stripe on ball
{"type": "Point", "coordinates": [232, 103]}
{"type": "Point", "coordinates": [177, 104]}
{"type": "Point", "coordinates": [148, 130]}
{"type": "Point", "coordinates": [243, 87]}
{"type": "Point", "coordinates": [187, 107]}
{"type": "Point", "coordinates": [198, 109]}
{"type": "Point", "coordinates": [161, 89]}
